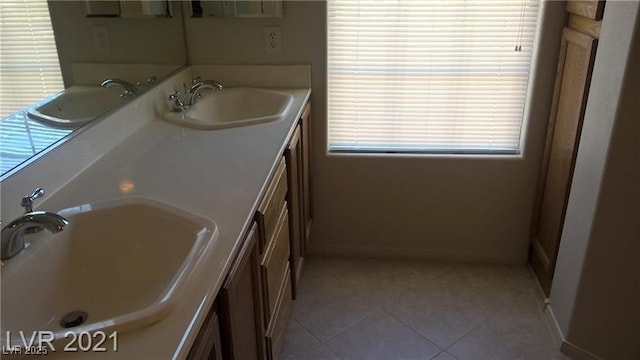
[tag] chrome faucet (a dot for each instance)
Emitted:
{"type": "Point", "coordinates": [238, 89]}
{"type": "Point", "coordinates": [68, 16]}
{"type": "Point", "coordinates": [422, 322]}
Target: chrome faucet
{"type": "Point", "coordinates": [129, 89]}
{"type": "Point", "coordinates": [12, 235]}
{"type": "Point", "coordinates": [191, 97]}
{"type": "Point", "coordinates": [27, 204]}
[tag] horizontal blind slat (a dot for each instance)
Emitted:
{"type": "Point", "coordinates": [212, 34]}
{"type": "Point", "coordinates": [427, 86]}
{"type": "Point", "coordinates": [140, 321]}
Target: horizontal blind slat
{"type": "Point", "coordinates": [424, 75]}
{"type": "Point", "coordinates": [29, 69]}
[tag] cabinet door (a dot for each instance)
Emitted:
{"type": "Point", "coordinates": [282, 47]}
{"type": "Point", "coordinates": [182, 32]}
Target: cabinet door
{"type": "Point", "coordinates": [208, 345]}
{"type": "Point", "coordinates": [591, 9]}
{"type": "Point", "coordinates": [293, 157]}
{"type": "Point", "coordinates": [240, 299]}
{"type": "Point", "coordinates": [305, 130]}
{"type": "Point", "coordinates": [570, 97]}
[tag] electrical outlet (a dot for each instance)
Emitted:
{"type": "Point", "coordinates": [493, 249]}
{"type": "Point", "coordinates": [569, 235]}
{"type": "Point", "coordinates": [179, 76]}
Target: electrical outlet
{"type": "Point", "coordinates": [273, 40]}
{"type": "Point", "coordinates": [101, 43]}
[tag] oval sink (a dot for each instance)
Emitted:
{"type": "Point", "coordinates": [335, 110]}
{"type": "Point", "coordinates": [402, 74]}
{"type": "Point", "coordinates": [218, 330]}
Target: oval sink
{"type": "Point", "coordinates": [232, 107]}
{"type": "Point", "coordinates": [76, 106]}
{"type": "Point", "coordinates": [119, 263]}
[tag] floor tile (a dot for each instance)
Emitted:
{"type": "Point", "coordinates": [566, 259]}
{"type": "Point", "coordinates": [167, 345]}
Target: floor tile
{"type": "Point", "coordinates": [442, 311]}
{"type": "Point", "coordinates": [381, 337]}
{"type": "Point", "coordinates": [409, 309]}
{"type": "Point", "coordinates": [297, 340]}
{"type": "Point", "coordinates": [518, 331]}
{"type": "Point", "coordinates": [386, 281]}
{"type": "Point", "coordinates": [444, 356]}
{"type": "Point", "coordinates": [326, 306]}
{"type": "Point", "coordinates": [320, 352]}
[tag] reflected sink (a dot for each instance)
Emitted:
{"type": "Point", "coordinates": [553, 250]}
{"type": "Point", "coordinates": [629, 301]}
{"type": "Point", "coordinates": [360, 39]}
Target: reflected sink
{"type": "Point", "coordinates": [232, 107]}
{"type": "Point", "coordinates": [76, 106]}
{"type": "Point", "coordinates": [122, 263]}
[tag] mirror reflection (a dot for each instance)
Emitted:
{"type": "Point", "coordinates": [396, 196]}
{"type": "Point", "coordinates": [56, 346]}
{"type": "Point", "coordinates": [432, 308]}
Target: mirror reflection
{"type": "Point", "coordinates": [63, 66]}
{"type": "Point", "coordinates": [127, 8]}
{"type": "Point", "coordinates": [236, 8]}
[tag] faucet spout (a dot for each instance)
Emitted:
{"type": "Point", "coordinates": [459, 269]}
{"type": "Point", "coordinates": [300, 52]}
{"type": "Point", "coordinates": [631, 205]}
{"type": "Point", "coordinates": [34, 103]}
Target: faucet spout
{"type": "Point", "coordinates": [130, 90]}
{"type": "Point", "coordinates": [191, 97]}
{"type": "Point", "coordinates": [12, 235]}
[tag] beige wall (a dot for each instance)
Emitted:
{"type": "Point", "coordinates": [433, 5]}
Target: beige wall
{"type": "Point", "coordinates": [596, 290]}
{"type": "Point", "coordinates": [432, 206]}
{"type": "Point", "coordinates": [139, 41]}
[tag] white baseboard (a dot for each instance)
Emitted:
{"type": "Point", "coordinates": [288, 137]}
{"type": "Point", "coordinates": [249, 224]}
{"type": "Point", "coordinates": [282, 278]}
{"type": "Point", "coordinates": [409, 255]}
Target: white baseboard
{"type": "Point", "coordinates": [396, 252]}
{"type": "Point", "coordinates": [567, 348]}
{"type": "Point", "coordinates": [554, 326]}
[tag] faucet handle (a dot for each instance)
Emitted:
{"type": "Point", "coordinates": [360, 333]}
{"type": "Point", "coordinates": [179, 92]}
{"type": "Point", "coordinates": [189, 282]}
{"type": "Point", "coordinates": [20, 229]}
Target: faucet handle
{"type": "Point", "coordinates": [174, 96]}
{"type": "Point", "coordinates": [177, 106]}
{"type": "Point", "coordinates": [27, 201]}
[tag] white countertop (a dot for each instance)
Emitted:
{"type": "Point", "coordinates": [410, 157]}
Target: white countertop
{"type": "Point", "coordinates": [218, 174]}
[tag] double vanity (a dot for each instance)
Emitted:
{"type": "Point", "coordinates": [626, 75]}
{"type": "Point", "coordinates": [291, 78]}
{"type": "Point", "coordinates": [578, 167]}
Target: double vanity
{"type": "Point", "coordinates": [186, 227]}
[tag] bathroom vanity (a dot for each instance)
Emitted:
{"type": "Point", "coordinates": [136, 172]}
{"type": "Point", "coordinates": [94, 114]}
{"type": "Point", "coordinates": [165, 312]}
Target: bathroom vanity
{"type": "Point", "coordinates": [251, 183]}
{"type": "Point", "coordinates": [253, 307]}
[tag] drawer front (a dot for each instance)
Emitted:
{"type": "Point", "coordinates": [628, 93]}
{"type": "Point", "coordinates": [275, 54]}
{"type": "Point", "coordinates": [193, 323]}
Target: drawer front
{"type": "Point", "coordinates": [269, 209]}
{"type": "Point", "coordinates": [278, 325]}
{"type": "Point", "coordinates": [275, 261]}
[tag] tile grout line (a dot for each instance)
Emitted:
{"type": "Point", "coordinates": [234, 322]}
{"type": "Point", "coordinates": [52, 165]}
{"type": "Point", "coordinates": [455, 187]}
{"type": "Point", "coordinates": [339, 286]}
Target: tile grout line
{"type": "Point", "coordinates": [444, 352]}
{"type": "Point", "coordinates": [352, 325]}
{"type": "Point", "coordinates": [463, 335]}
{"type": "Point", "coordinates": [307, 330]}
{"type": "Point", "coordinates": [414, 330]}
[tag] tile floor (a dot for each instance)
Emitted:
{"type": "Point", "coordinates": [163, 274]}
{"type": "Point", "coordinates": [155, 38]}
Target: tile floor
{"type": "Point", "coordinates": [410, 309]}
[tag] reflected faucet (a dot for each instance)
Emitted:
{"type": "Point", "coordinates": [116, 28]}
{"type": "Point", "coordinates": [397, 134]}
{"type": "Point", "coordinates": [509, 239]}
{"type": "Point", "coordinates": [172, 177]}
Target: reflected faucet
{"type": "Point", "coordinates": [191, 97]}
{"type": "Point", "coordinates": [12, 235]}
{"type": "Point", "coordinates": [129, 89]}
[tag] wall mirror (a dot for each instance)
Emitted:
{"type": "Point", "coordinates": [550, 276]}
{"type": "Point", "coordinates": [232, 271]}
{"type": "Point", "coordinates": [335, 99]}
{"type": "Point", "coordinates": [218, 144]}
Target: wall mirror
{"type": "Point", "coordinates": [128, 8]}
{"type": "Point", "coordinates": [56, 54]}
{"type": "Point", "coordinates": [236, 8]}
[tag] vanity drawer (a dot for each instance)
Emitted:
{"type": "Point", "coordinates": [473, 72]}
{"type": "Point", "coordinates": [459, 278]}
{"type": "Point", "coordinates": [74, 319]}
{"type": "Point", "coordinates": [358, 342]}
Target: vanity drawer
{"type": "Point", "coordinates": [269, 209]}
{"type": "Point", "coordinates": [275, 262]}
{"type": "Point", "coordinates": [278, 325]}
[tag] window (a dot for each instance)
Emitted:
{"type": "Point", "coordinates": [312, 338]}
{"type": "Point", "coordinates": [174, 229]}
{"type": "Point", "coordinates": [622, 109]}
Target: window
{"type": "Point", "coordinates": [29, 67]}
{"type": "Point", "coordinates": [428, 76]}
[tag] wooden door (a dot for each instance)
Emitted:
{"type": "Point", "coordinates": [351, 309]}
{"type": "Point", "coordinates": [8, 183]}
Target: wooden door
{"type": "Point", "coordinates": [296, 211]}
{"type": "Point", "coordinates": [570, 97]}
{"type": "Point", "coordinates": [240, 299]}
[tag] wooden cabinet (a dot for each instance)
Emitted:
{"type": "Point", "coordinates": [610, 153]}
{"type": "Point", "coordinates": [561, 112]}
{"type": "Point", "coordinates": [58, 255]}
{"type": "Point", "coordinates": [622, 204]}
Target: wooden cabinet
{"type": "Point", "coordinates": [590, 9]}
{"type": "Point", "coordinates": [298, 157]}
{"type": "Point", "coordinates": [240, 303]}
{"type": "Point", "coordinates": [208, 345]}
{"type": "Point", "coordinates": [275, 264]}
{"type": "Point", "coordinates": [305, 133]}
{"type": "Point", "coordinates": [293, 156]}
{"type": "Point", "coordinates": [568, 106]}
{"type": "Point", "coordinates": [254, 303]}
{"type": "Point", "coordinates": [271, 205]}
{"type": "Point", "coordinates": [278, 324]}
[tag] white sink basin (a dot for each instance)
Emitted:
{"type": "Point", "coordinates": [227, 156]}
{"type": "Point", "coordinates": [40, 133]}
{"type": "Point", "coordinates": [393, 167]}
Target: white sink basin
{"type": "Point", "coordinates": [232, 107]}
{"type": "Point", "coordinates": [122, 263]}
{"type": "Point", "coordinates": [76, 106]}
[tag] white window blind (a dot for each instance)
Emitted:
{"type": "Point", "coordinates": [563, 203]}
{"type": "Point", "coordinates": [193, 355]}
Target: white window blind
{"type": "Point", "coordinates": [29, 67]}
{"type": "Point", "coordinates": [428, 76]}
